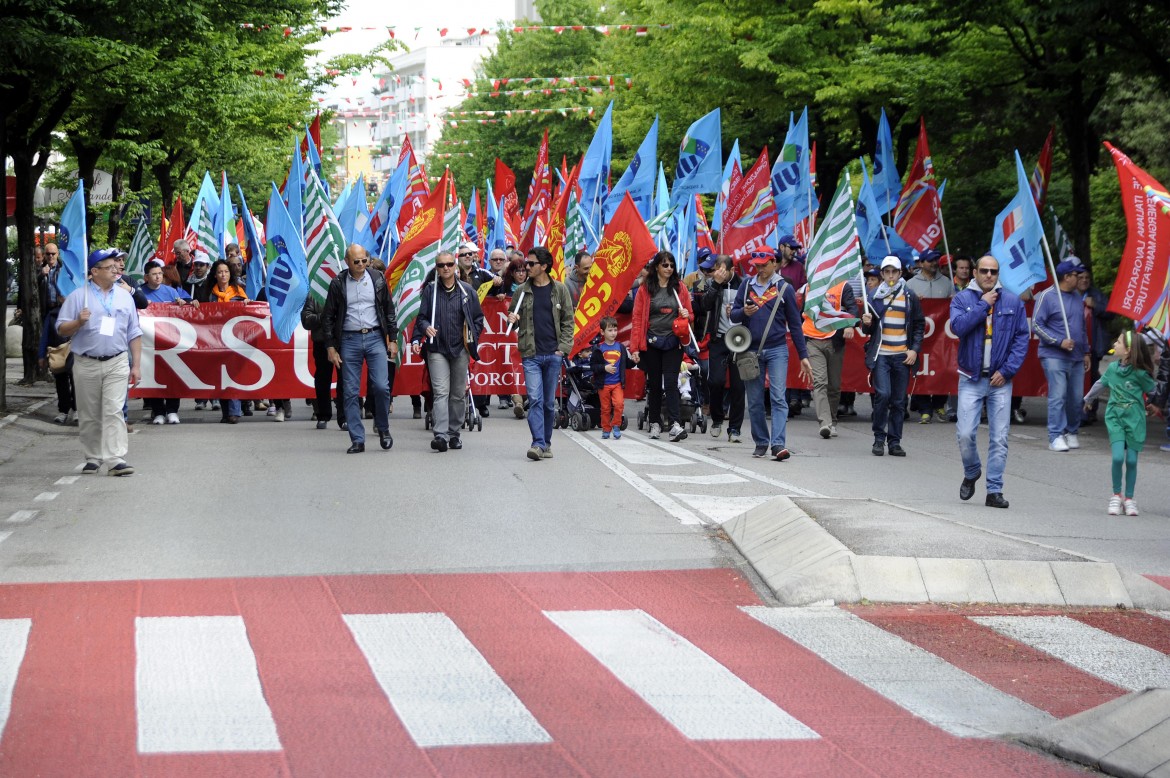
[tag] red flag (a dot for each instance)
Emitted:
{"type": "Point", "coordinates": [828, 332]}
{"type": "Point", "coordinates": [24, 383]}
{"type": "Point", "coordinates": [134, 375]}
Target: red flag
{"type": "Point", "coordinates": [916, 216]}
{"type": "Point", "coordinates": [1042, 173]}
{"type": "Point", "coordinates": [1140, 291]}
{"type": "Point", "coordinates": [174, 231]}
{"type": "Point", "coordinates": [505, 187]}
{"type": "Point", "coordinates": [417, 190]}
{"type": "Point", "coordinates": [624, 250]}
{"type": "Point", "coordinates": [535, 222]}
{"type": "Point", "coordinates": [425, 228]}
{"type": "Point", "coordinates": [315, 134]}
{"type": "Point", "coordinates": [750, 214]}
{"type": "Point", "coordinates": [702, 231]}
{"type": "Point", "coordinates": [556, 227]}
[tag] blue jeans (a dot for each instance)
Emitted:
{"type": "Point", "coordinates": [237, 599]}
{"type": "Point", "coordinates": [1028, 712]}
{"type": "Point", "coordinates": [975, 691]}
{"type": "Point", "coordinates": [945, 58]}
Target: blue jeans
{"type": "Point", "coordinates": [774, 365]}
{"type": "Point", "coordinates": [972, 392]}
{"type": "Point", "coordinates": [1066, 391]}
{"type": "Point", "coordinates": [370, 347]}
{"type": "Point", "coordinates": [541, 374]}
{"type": "Point", "coordinates": [889, 378]}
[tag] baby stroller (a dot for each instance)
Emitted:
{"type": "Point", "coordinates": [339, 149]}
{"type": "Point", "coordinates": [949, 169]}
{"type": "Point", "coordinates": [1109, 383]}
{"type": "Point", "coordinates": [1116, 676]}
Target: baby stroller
{"type": "Point", "coordinates": [579, 407]}
{"type": "Point", "coordinates": [691, 389]}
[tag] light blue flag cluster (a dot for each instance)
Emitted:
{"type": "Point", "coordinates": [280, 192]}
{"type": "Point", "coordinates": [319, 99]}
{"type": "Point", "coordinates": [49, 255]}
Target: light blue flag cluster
{"type": "Point", "coordinates": [294, 192]}
{"type": "Point", "coordinates": [700, 159]}
{"type": "Point", "coordinates": [315, 161]}
{"type": "Point", "coordinates": [343, 198]}
{"type": "Point", "coordinates": [389, 206]}
{"type": "Point", "coordinates": [887, 184]}
{"type": "Point", "coordinates": [208, 195]}
{"type": "Point", "coordinates": [638, 179]}
{"type": "Point", "coordinates": [72, 243]}
{"type": "Point", "coordinates": [594, 176]}
{"type": "Point", "coordinates": [256, 273]}
{"type": "Point", "coordinates": [1017, 237]}
{"type": "Point", "coordinates": [791, 177]}
{"type": "Point", "coordinates": [287, 285]}
{"type": "Point", "coordinates": [469, 225]}
{"type": "Point", "coordinates": [877, 240]}
{"type": "Point", "coordinates": [733, 159]}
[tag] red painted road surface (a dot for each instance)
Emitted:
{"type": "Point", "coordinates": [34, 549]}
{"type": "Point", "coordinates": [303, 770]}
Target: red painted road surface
{"type": "Point", "coordinates": [74, 704]}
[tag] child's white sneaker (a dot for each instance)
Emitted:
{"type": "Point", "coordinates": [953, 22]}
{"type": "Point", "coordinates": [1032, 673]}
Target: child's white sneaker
{"type": "Point", "coordinates": [1115, 505]}
{"type": "Point", "coordinates": [1130, 507]}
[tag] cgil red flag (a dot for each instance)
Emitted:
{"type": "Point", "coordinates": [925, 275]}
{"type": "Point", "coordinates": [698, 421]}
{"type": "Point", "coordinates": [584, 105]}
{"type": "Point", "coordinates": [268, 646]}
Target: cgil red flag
{"type": "Point", "coordinates": [750, 214]}
{"type": "Point", "coordinates": [917, 216]}
{"type": "Point", "coordinates": [624, 250]}
{"type": "Point", "coordinates": [1140, 291]}
{"type": "Point", "coordinates": [505, 187]}
{"type": "Point", "coordinates": [1042, 173]}
{"type": "Point", "coordinates": [425, 228]}
{"type": "Point", "coordinates": [173, 231]}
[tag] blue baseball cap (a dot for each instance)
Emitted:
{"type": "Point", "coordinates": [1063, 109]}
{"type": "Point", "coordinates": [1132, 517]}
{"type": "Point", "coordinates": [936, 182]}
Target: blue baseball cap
{"type": "Point", "coordinates": [1066, 267]}
{"type": "Point", "coordinates": [789, 241]}
{"type": "Point", "coordinates": [706, 259]}
{"type": "Point", "coordinates": [97, 256]}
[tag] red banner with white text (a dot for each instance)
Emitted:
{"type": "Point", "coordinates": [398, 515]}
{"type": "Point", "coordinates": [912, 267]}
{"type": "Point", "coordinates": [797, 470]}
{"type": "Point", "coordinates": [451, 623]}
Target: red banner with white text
{"type": "Point", "coordinates": [230, 351]}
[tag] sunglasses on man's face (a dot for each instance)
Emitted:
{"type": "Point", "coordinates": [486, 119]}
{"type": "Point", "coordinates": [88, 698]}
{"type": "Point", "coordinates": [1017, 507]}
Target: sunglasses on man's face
{"type": "Point", "coordinates": [531, 263]}
{"type": "Point", "coordinates": [444, 264]}
{"type": "Point", "coordinates": [989, 271]}
{"type": "Point", "coordinates": [465, 254]}
{"type": "Point", "coordinates": [358, 261]}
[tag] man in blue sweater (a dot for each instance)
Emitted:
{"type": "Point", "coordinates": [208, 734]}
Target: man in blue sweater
{"type": "Point", "coordinates": [992, 326]}
{"type": "Point", "coordinates": [1059, 320]}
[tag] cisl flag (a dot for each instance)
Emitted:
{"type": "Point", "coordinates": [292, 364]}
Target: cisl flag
{"type": "Point", "coordinates": [624, 250]}
{"type": "Point", "coordinates": [1140, 291]}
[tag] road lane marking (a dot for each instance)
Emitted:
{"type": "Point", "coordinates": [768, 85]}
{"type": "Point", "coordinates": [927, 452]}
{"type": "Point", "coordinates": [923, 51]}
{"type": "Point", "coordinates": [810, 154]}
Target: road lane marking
{"type": "Point", "coordinates": [722, 508]}
{"type": "Point", "coordinates": [744, 471]}
{"type": "Point", "coordinates": [640, 454]}
{"type": "Point", "coordinates": [717, 478]}
{"type": "Point", "coordinates": [642, 486]}
{"type": "Point", "coordinates": [4, 536]}
{"type": "Point", "coordinates": [46, 496]}
{"type": "Point", "coordinates": [440, 685]}
{"type": "Point", "coordinates": [1117, 660]}
{"type": "Point", "coordinates": [66, 480]}
{"type": "Point", "coordinates": [198, 688]}
{"type": "Point", "coordinates": [907, 675]}
{"type": "Point", "coordinates": [19, 517]}
{"type": "Point", "coordinates": [700, 697]}
{"type": "Point", "coordinates": [13, 642]}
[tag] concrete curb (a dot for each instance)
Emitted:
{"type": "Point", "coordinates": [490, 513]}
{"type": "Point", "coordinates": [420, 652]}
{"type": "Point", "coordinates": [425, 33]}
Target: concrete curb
{"type": "Point", "coordinates": [1128, 737]}
{"type": "Point", "coordinates": [803, 563]}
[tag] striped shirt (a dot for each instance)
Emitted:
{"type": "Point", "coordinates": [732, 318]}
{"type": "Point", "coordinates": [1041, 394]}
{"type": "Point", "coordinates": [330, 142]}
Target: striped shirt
{"type": "Point", "coordinates": [894, 327]}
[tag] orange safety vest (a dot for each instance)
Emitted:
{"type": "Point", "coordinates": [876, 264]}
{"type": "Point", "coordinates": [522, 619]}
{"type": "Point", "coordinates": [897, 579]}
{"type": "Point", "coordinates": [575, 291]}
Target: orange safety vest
{"type": "Point", "coordinates": [832, 298]}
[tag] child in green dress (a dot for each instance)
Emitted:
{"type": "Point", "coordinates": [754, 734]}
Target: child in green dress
{"type": "Point", "coordinates": [1129, 379]}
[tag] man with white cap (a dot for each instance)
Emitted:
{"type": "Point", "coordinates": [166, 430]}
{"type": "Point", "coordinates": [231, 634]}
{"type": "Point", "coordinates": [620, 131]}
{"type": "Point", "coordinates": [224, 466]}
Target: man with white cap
{"type": "Point", "coordinates": [469, 269]}
{"type": "Point", "coordinates": [1059, 323]}
{"type": "Point", "coordinates": [895, 325]}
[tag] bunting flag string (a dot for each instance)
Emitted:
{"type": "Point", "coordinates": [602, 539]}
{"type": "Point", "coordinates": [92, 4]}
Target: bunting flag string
{"type": "Point", "coordinates": [392, 31]}
{"type": "Point", "coordinates": [496, 83]}
{"type": "Point", "coordinates": [588, 110]}
{"type": "Point", "coordinates": [449, 154]}
{"type": "Point", "coordinates": [550, 90]}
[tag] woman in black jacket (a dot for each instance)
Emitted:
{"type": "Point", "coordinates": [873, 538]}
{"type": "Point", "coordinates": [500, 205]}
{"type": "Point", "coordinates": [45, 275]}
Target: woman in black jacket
{"type": "Point", "coordinates": [716, 302]}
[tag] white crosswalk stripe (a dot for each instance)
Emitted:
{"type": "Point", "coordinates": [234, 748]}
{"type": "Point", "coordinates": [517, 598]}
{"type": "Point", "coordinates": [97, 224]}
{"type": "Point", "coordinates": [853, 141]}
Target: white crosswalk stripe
{"type": "Point", "coordinates": [197, 687]}
{"type": "Point", "coordinates": [1117, 660]}
{"type": "Point", "coordinates": [721, 508]}
{"type": "Point", "coordinates": [903, 673]}
{"type": "Point", "coordinates": [440, 685]}
{"type": "Point", "coordinates": [700, 697]}
{"type": "Point", "coordinates": [13, 642]}
{"type": "Point", "coordinates": [640, 454]}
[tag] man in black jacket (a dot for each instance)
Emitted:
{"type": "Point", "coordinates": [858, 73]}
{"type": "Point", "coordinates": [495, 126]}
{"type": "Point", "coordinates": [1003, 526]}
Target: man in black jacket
{"type": "Point", "coordinates": [360, 324]}
{"type": "Point", "coordinates": [449, 322]}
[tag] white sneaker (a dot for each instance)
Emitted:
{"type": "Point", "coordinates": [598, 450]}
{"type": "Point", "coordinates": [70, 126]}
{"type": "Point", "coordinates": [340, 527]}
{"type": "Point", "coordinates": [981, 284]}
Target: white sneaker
{"type": "Point", "coordinates": [716, 430]}
{"type": "Point", "coordinates": [1130, 507]}
{"type": "Point", "coordinates": [280, 415]}
{"type": "Point", "coordinates": [1071, 441]}
{"type": "Point", "coordinates": [157, 420]}
{"type": "Point", "coordinates": [271, 410]}
{"type": "Point", "coordinates": [172, 418]}
{"type": "Point", "coordinates": [677, 433]}
{"type": "Point", "coordinates": [1058, 444]}
{"type": "Point", "coordinates": [1114, 505]}
{"type": "Point", "coordinates": [832, 430]}
{"type": "Point", "coordinates": [655, 431]}
{"type": "Point", "coordinates": [71, 417]}
{"type": "Point", "coordinates": [733, 437]}
{"type": "Point", "coordinates": [215, 405]}
{"type": "Point", "coordinates": [61, 418]}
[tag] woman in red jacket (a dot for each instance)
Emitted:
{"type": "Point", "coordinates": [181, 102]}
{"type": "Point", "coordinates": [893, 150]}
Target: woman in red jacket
{"type": "Point", "coordinates": [655, 343]}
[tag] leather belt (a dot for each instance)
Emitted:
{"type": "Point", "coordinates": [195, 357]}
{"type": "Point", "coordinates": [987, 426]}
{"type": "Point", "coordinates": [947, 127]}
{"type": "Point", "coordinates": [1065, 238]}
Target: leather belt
{"type": "Point", "coordinates": [362, 331]}
{"type": "Point", "coordinates": [102, 359]}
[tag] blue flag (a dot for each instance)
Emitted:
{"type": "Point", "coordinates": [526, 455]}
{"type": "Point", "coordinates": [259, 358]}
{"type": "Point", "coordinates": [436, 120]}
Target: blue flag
{"type": "Point", "coordinates": [887, 184]}
{"type": "Point", "coordinates": [498, 236]}
{"type": "Point", "coordinates": [225, 218]}
{"type": "Point", "coordinates": [72, 244]}
{"type": "Point", "coordinates": [594, 175]}
{"type": "Point", "coordinates": [287, 285]}
{"type": "Point", "coordinates": [1017, 237]}
{"type": "Point", "coordinates": [700, 159]}
{"type": "Point", "coordinates": [343, 199]}
{"type": "Point", "coordinates": [686, 245]}
{"type": "Point", "coordinates": [389, 206]}
{"type": "Point", "coordinates": [638, 179]}
{"type": "Point", "coordinates": [294, 192]}
{"type": "Point", "coordinates": [256, 273]}
{"type": "Point", "coordinates": [867, 216]}
{"type": "Point", "coordinates": [490, 219]}
{"type": "Point", "coordinates": [315, 160]}
{"type": "Point", "coordinates": [469, 226]}
{"type": "Point", "coordinates": [733, 159]}
{"type": "Point", "coordinates": [206, 194]}
{"type": "Point", "coordinates": [662, 196]}
{"type": "Point", "coordinates": [792, 178]}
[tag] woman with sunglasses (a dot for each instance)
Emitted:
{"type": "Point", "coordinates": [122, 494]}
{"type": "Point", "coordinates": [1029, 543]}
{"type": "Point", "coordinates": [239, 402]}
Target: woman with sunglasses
{"type": "Point", "coordinates": [653, 343]}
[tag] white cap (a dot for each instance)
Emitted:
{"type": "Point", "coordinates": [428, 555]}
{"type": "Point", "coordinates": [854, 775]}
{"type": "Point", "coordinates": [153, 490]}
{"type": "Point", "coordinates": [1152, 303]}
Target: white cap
{"type": "Point", "coordinates": [201, 256]}
{"type": "Point", "coordinates": [891, 261]}
{"type": "Point", "coordinates": [469, 246]}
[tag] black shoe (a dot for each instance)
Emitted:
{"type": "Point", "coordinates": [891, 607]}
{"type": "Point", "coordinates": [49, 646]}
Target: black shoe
{"type": "Point", "coordinates": [779, 453]}
{"type": "Point", "coordinates": [760, 452]}
{"type": "Point", "coordinates": [848, 411]}
{"type": "Point", "coordinates": [341, 425]}
{"type": "Point", "coordinates": [124, 468]}
{"type": "Point", "coordinates": [878, 449]}
{"type": "Point", "coordinates": [484, 412]}
{"type": "Point", "coordinates": [356, 448]}
{"type": "Point", "coordinates": [995, 500]}
{"type": "Point", "coordinates": [967, 488]}
{"type": "Point", "coordinates": [417, 414]}
{"type": "Point", "coordinates": [897, 451]}
{"type": "Point", "coordinates": [90, 468]}
{"type": "Point", "coordinates": [438, 444]}
{"type": "Point", "coordinates": [455, 444]}
{"type": "Point", "coordinates": [322, 425]}
{"type": "Point", "coordinates": [246, 411]}
{"type": "Point", "coordinates": [1019, 416]}
{"type": "Point", "coordinates": [385, 440]}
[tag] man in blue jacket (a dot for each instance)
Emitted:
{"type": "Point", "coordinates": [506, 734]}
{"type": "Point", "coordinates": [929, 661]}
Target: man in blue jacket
{"type": "Point", "coordinates": [992, 326]}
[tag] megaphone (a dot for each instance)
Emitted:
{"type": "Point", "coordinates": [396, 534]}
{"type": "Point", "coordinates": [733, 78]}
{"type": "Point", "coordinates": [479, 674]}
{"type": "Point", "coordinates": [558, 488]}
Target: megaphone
{"type": "Point", "coordinates": [738, 339]}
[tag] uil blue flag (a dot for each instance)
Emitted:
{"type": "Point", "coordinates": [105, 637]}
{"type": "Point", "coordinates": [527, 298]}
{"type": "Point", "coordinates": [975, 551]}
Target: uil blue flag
{"type": "Point", "coordinates": [498, 238]}
{"type": "Point", "coordinates": [294, 191]}
{"type": "Point", "coordinates": [287, 286]}
{"type": "Point", "coordinates": [594, 175]}
{"type": "Point", "coordinates": [256, 273]}
{"type": "Point", "coordinates": [638, 179]}
{"type": "Point", "coordinates": [792, 178]}
{"type": "Point", "coordinates": [700, 159]}
{"type": "Point", "coordinates": [469, 225]}
{"type": "Point", "coordinates": [1017, 236]}
{"type": "Point", "coordinates": [315, 160]}
{"type": "Point", "coordinates": [877, 240]}
{"type": "Point", "coordinates": [72, 243]}
{"type": "Point", "coordinates": [343, 198]}
{"type": "Point", "coordinates": [887, 184]}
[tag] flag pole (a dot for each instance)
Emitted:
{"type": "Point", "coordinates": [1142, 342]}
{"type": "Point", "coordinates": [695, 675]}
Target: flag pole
{"type": "Point", "coordinates": [1056, 282]}
{"type": "Point", "coordinates": [946, 246]}
{"type": "Point", "coordinates": [519, 302]}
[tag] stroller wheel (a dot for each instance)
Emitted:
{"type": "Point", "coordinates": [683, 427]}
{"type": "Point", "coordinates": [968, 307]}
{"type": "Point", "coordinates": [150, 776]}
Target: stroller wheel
{"type": "Point", "coordinates": [575, 422]}
{"type": "Point", "coordinates": [703, 426]}
{"type": "Point", "coordinates": [479, 424]}
{"type": "Point", "coordinates": [642, 420]}
{"type": "Point", "coordinates": [692, 425]}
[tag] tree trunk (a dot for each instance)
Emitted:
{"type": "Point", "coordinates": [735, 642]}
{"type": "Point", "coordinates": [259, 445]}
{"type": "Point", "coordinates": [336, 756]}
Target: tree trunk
{"type": "Point", "coordinates": [27, 174]}
{"type": "Point", "coordinates": [116, 188]}
{"type": "Point", "coordinates": [1081, 140]}
{"type": "Point", "coordinates": [166, 184]}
